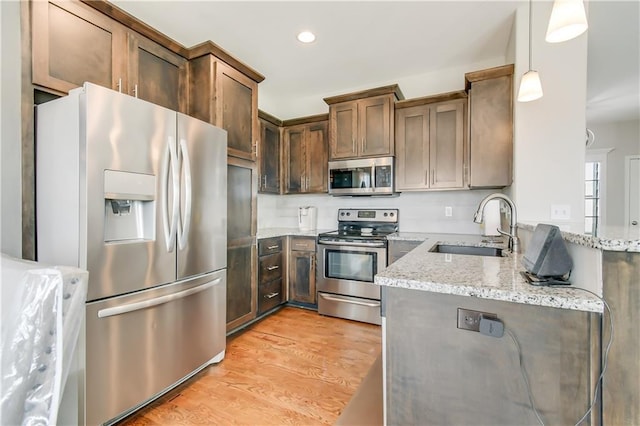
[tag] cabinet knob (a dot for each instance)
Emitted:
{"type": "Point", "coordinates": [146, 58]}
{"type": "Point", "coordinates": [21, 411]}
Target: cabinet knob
{"type": "Point", "coordinates": [634, 222]}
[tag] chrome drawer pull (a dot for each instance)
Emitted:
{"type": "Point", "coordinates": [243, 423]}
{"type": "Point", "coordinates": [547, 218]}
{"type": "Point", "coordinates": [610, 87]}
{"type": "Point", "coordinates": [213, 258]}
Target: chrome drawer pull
{"type": "Point", "coordinates": [271, 295]}
{"type": "Point", "coordinates": [272, 247]}
{"type": "Point", "coordinates": [272, 268]}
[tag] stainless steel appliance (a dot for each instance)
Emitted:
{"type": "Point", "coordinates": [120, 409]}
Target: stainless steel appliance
{"type": "Point", "coordinates": [136, 194]}
{"type": "Point", "coordinates": [348, 260]}
{"type": "Point", "coordinates": [367, 176]}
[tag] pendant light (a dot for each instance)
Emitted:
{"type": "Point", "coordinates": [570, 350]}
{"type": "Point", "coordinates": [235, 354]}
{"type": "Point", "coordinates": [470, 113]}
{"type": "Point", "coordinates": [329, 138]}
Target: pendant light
{"type": "Point", "coordinates": [530, 86]}
{"type": "Point", "coordinates": [568, 20]}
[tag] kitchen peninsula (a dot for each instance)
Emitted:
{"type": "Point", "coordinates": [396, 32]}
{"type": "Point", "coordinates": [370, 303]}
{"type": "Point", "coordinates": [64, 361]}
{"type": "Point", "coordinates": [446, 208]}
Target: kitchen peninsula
{"type": "Point", "coordinates": [435, 370]}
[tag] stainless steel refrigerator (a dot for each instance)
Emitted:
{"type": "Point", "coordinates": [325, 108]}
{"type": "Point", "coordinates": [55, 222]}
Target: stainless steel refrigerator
{"type": "Point", "coordinates": [136, 194]}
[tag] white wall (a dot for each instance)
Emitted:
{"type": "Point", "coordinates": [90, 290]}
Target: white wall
{"type": "Point", "coordinates": [11, 189]}
{"type": "Point", "coordinates": [419, 211]}
{"type": "Point", "coordinates": [549, 148]}
{"type": "Point", "coordinates": [624, 138]}
{"type": "Point", "coordinates": [412, 86]}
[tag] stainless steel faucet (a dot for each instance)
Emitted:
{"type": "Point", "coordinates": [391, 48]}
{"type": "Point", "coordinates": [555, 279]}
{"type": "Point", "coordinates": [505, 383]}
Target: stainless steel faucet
{"type": "Point", "coordinates": [514, 241]}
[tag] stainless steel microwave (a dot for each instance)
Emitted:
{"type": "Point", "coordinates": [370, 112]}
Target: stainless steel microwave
{"type": "Point", "coordinates": [366, 176]}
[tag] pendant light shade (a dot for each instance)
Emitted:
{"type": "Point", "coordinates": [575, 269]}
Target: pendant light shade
{"type": "Point", "coordinates": [568, 20]}
{"type": "Point", "coordinates": [530, 87]}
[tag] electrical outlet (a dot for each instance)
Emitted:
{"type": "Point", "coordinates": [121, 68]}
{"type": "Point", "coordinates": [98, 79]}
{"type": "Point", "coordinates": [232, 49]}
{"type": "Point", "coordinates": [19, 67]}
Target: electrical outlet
{"type": "Point", "coordinates": [470, 320]}
{"type": "Point", "coordinates": [560, 212]}
{"type": "Point", "coordinates": [448, 211]}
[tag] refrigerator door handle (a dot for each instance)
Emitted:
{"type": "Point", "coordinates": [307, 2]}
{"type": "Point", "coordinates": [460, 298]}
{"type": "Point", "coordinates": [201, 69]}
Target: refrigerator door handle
{"type": "Point", "coordinates": [137, 306]}
{"type": "Point", "coordinates": [169, 165]}
{"type": "Point", "coordinates": [183, 227]}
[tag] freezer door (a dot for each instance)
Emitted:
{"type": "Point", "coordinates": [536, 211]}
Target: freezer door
{"type": "Point", "coordinates": [140, 345]}
{"type": "Point", "coordinates": [124, 143]}
{"type": "Point", "coordinates": [202, 222]}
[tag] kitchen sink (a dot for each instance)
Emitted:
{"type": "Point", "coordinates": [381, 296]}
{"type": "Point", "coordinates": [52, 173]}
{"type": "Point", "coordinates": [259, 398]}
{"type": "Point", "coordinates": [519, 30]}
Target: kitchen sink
{"type": "Point", "coordinates": [470, 250]}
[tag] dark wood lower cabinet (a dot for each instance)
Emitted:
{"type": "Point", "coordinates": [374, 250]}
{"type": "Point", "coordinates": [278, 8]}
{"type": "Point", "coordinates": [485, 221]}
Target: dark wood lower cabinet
{"type": "Point", "coordinates": [302, 271]}
{"type": "Point", "coordinates": [240, 301]}
{"type": "Point", "coordinates": [271, 274]}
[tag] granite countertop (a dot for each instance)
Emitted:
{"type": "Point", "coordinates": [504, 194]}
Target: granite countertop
{"type": "Point", "coordinates": [496, 278]}
{"type": "Point", "coordinates": [611, 238]}
{"type": "Point", "coordinates": [282, 232]}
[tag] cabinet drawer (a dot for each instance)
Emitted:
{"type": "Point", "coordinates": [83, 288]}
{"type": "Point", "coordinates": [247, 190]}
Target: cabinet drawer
{"type": "Point", "coordinates": [303, 244]}
{"type": "Point", "coordinates": [270, 295]}
{"type": "Point", "coordinates": [270, 267]}
{"type": "Point", "coordinates": [269, 246]}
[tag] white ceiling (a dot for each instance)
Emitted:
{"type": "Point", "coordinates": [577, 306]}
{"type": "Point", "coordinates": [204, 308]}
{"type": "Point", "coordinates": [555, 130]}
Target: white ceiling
{"type": "Point", "coordinates": [366, 44]}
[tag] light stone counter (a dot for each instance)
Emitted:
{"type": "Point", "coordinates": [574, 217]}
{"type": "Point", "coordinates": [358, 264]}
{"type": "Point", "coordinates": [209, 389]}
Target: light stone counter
{"type": "Point", "coordinates": [496, 278]}
{"type": "Point", "coordinates": [283, 232]}
{"type": "Point", "coordinates": [611, 238]}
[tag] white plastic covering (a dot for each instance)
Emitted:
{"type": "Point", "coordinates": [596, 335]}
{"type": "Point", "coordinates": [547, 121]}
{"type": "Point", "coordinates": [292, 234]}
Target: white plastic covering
{"type": "Point", "coordinates": [42, 314]}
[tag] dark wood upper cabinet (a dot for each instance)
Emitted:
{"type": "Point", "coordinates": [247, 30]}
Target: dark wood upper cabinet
{"type": "Point", "coordinates": [361, 124]}
{"type": "Point", "coordinates": [225, 97]}
{"type": "Point", "coordinates": [72, 43]}
{"type": "Point", "coordinates": [156, 74]}
{"type": "Point", "coordinates": [305, 157]}
{"type": "Point", "coordinates": [446, 144]}
{"type": "Point", "coordinates": [412, 148]}
{"type": "Point", "coordinates": [430, 142]}
{"type": "Point", "coordinates": [269, 154]}
{"type": "Point", "coordinates": [490, 127]}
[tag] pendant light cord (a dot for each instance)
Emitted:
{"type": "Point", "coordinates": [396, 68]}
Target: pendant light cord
{"type": "Point", "coordinates": [530, 10]}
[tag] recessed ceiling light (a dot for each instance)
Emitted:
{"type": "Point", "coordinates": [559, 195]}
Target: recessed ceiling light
{"type": "Point", "coordinates": [306, 37]}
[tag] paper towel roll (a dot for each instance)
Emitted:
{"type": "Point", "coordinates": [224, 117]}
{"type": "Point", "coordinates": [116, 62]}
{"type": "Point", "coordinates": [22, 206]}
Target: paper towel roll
{"type": "Point", "coordinates": [491, 218]}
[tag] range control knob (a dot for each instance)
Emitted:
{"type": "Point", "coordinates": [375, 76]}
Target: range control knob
{"type": "Point", "coordinates": [391, 214]}
{"type": "Point", "coordinates": [348, 214]}
{"type": "Point", "coordinates": [386, 214]}
{"type": "Point", "coordinates": [341, 213]}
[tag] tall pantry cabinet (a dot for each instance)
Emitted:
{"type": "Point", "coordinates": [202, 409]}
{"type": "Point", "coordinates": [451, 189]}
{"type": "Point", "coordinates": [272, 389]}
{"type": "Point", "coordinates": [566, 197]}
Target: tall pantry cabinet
{"type": "Point", "coordinates": [228, 97]}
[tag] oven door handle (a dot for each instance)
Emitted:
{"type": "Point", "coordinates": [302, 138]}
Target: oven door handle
{"type": "Point", "coordinates": [355, 244]}
{"type": "Point", "coordinates": [355, 302]}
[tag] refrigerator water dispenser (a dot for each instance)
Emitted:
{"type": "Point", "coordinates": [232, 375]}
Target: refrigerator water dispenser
{"type": "Point", "coordinates": [129, 206]}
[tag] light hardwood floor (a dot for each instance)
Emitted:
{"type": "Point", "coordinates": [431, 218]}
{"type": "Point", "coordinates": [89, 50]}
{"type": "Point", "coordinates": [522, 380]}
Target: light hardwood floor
{"type": "Point", "coordinates": [293, 367]}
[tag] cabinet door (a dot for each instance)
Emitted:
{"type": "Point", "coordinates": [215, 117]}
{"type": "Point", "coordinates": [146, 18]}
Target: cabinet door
{"type": "Point", "coordinates": [237, 110]}
{"type": "Point", "coordinates": [241, 299]}
{"type": "Point", "coordinates": [447, 145]}
{"type": "Point", "coordinates": [72, 43]}
{"type": "Point", "coordinates": [344, 130]}
{"type": "Point", "coordinates": [316, 158]}
{"type": "Point", "coordinates": [156, 74]}
{"type": "Point", "coordinates": [375, 126]}
{"type": "Point", "coordinates": [269, 158]}
{"type": "Point", "coordinates": [491, 132]}
{"type": "Point", "coordinates": [294, 139]}
{"type": "Point", "coordinates": [302, 277]}
{"type": "Point", "coordinates": [412, 148]}
{"type": "Point", "coordinates": [241, 247]}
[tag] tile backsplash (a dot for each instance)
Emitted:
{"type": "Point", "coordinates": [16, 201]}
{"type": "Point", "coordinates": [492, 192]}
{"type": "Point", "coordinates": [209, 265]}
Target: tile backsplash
{"type": "Point", "coordinates": [419, 211]}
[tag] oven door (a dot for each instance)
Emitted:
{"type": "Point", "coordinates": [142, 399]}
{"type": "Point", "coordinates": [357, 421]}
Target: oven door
{"type": "Point", "coordinates": [349, 268]}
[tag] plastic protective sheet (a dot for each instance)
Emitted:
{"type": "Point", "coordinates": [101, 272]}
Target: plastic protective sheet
{"type": "Point", "coordinates": [42, 314]}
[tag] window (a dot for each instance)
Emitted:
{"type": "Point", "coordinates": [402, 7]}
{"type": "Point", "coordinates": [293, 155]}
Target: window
{"type": "Point", "coordinates": [592, 211]}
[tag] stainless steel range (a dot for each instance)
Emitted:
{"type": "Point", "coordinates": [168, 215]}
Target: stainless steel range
{"type": "Point", "coordinates": [348, 260]}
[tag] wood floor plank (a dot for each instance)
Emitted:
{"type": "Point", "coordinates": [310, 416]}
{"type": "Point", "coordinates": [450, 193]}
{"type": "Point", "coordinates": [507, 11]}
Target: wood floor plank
{"type": "Point", "coordinates": [295, 367]}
